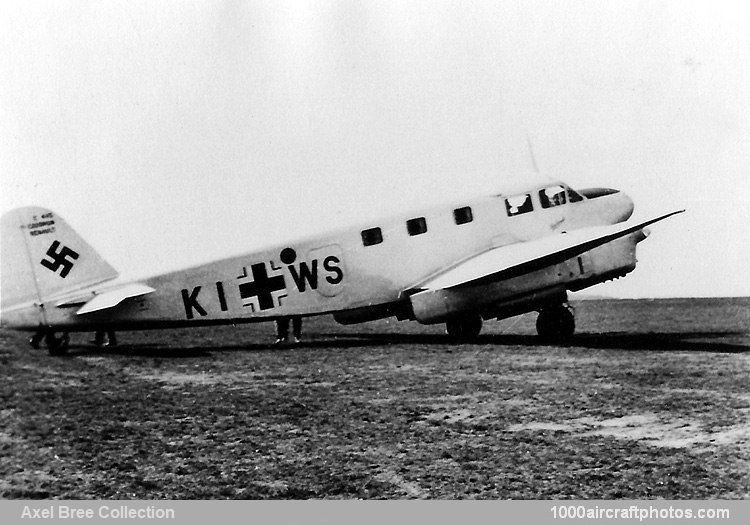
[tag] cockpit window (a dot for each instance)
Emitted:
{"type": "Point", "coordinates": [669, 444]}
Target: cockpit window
{"type": "Point", "coordinates": [552, 196]}
{"type": "Point", "coordinates": [518, 204]}
{"type": "Point", "coordinates": [574, 196]}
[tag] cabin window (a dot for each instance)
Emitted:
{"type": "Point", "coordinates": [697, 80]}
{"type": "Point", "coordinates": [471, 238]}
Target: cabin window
{"type": "Point", "coordinates": [463, 215]}
{"type": "Point", "coordinates": [416, 226]}
{"type": "Point", "coordinates": [552, 196]}
{"type": "Point", "coordinates": [519, 204]}
{"type": "Point", "coordinates": [372, 236]}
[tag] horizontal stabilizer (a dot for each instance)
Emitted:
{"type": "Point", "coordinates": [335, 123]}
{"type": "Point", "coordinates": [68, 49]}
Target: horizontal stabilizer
{"type": "Point", "coordinates": [521, 258]}
{"type": "Point", "coordinates": [113, 297]}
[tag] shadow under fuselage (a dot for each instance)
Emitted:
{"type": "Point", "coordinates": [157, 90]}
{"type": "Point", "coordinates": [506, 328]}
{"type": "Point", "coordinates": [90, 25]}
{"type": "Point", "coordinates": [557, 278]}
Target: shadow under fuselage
{"type": "Point", "coordinates": [721, 342]}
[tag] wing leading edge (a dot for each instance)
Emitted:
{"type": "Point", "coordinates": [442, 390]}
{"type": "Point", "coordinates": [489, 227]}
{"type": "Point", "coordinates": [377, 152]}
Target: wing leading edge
{"type": "Point", "coordinates": [513, 260]}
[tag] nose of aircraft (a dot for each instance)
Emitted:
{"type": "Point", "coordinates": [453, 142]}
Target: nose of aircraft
{"type": "Point", "coordinates": [619, 206]}
{"type": "Point", "coordinates": [626, 207]}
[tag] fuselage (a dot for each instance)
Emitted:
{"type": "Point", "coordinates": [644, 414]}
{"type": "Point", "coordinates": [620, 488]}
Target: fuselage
{"type": "Point", "coordinates": [364, 268]}
{"type": "Point", "coordinates": [359, 272]}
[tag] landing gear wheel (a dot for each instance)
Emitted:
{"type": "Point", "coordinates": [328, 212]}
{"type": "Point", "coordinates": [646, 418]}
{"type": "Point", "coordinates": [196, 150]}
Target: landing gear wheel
{"type": "Point", "coordinates": [464, 328]}
{"type": "Point", "coordinates": [57, 345]}
{"type": "Point", "coordinates": [36, 340]}
{"type": "Point", "coordinates": [556, 323]}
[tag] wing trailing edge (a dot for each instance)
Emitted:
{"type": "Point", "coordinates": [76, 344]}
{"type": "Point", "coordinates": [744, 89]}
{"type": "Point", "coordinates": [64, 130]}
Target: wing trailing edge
{"type": "Point", "coordinates": [510, 261]}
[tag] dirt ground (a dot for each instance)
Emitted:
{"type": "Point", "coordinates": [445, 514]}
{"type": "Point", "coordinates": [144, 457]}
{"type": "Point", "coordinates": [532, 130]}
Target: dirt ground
{"type": "Point", "coordinates": [650, 400]}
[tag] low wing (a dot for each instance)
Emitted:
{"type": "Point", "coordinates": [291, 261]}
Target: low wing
{"type": "Point", "coordinates": [513, 260]}
{"type": "Point", "coordinates": [96, 301]}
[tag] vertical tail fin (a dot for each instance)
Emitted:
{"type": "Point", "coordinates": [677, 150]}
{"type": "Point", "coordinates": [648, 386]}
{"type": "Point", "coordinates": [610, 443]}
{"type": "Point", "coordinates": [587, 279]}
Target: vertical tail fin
{"type": "Point", "coordinates": [43, 257]}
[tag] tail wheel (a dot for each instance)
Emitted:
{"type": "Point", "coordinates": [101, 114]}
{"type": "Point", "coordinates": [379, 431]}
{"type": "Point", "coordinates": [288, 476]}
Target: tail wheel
{"type": "Point", "coordinates": [556, 323]}
{"type": "Point", "coordinates": [57, 345]}
{"type": "Point", "coordinates": [464, 328]}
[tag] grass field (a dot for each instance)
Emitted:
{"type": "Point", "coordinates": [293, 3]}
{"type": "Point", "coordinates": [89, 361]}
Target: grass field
{"type": "Point", "coordinates": [650, 400]}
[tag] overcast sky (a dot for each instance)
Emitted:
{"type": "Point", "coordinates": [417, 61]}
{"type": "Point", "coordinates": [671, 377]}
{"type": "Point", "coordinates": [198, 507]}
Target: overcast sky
{"type": "Point", "coordinates": [168, 133]}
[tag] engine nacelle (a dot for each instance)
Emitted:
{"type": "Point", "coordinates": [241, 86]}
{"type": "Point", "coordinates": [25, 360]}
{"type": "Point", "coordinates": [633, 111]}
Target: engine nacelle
{"type": "Point", "coordinates": [499, 300]}
{"type": "Point", "coordinates": [530, 291]}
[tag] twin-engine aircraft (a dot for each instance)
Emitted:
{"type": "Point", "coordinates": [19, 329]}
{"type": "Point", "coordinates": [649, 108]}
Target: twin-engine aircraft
{"type": "Point", "coordinates": [493, 257]}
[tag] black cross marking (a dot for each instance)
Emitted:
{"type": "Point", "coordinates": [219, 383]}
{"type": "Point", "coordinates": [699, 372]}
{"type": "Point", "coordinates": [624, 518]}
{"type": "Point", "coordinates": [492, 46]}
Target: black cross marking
{"type": "Point", "coordinates": [59, 259]}
{"type": "Point", "coordinates": [262, 286]}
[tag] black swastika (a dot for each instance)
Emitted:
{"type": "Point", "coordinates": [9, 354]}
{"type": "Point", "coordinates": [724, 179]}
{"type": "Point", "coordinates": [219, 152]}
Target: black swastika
{"type": "Point", "coordinates": [59, 259]}
{"type": "Point", "coordinates": [262, 286]}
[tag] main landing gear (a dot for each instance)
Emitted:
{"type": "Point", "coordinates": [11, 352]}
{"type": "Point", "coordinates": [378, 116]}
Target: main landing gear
{"type": "Point", "coordinates": [55, 345]}
{"type": "Point", "coordinates": [556, 323]}
{"type": "Point", "coordinates": [465, 327]}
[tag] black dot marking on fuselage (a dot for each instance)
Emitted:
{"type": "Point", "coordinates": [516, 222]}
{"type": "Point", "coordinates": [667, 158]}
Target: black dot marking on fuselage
{"type": "Point", "coordinates": [288, 256]}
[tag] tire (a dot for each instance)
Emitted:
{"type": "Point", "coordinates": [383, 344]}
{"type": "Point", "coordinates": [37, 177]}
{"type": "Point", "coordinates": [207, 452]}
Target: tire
{"type": "Point", "coordinates": [465, 328]}
{"type": "Point", "coordinates": [57, 346]}
{"type": "Point", "coordinates": [556, 323]}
